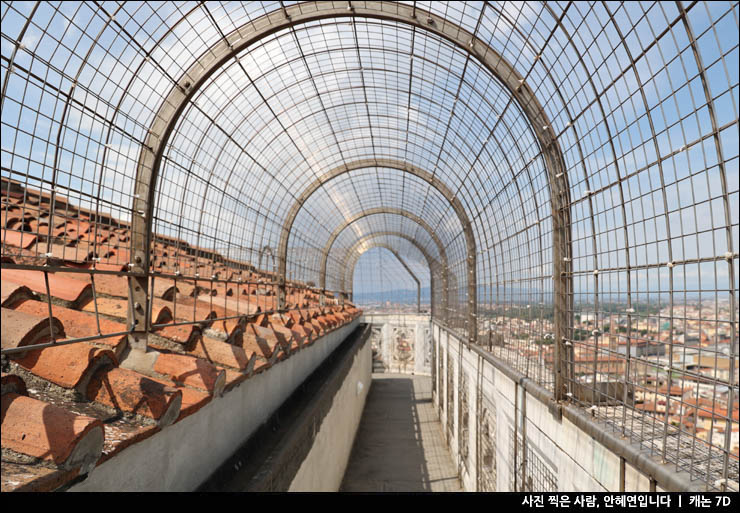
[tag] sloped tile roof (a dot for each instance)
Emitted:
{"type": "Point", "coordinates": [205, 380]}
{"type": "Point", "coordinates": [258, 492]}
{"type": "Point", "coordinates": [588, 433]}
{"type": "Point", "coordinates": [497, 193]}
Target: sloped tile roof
{"type": "Point", "coordinates": [75, 401]}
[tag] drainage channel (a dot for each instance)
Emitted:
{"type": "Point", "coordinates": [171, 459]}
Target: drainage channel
{"type": "Point", "coordinates": [270, 459]}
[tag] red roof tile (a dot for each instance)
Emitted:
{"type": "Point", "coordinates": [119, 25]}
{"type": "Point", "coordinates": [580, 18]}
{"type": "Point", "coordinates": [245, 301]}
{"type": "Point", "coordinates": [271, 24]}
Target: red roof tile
{"type": "Point", "coordinates": [108, 284]}
{"type": "Point", "coordinates": [75, 292]}
{"type": "Point", "coordinates": [13, 293]}
{"type": "Point", "coordinates": [222, 353]}
{"type": "Point", "coordinates": [132, 392]}
{"type": "Point", "coordinates": [21, 329]}
{"type": "Point", "coordinates": [191, 371]}
{"type": "Point", "coordinates": [79, 324]}
{"type": "Point", "coordinates": [67, 365]}
{"type": "Point", "coordinates": [186, 335]}
{"type": "Point", "coordinates": [266, 339]}
{"type": "Point", "coordinates": [18, 239]}
{"type": "Point", "coordinates": [53, 434]}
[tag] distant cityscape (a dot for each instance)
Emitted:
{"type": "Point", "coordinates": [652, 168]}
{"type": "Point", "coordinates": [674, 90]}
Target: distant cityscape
{"type": "Point", "coordinates": [678, 372]}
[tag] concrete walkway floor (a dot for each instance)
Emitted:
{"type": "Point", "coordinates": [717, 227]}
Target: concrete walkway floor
{"type": "Point", "coordinates": [400, 445]}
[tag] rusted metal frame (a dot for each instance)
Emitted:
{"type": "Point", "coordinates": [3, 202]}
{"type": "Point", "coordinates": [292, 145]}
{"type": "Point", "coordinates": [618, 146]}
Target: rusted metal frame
{"type": "Point", "coordinates": [55, 166]}
{"type": "Point", "coordinates": [558, 178]}
{"type": "Point", "coordinates": [521, 202]}
{"type": "Point", "coordinates": [171, 108]}
{"type": "Point", "coordinates": [658, 265]}
{"type": "Point", "coordinates": [282, 259]}
{"type": "Point", "coordinates": [564, 349]}
{"type": "Point", "coordinates": [18, 43]}
{"type": "Point", "coordinates": [499, 119]}
{"type": "Point", "coordinates": [590, 195]}
{"type": "Point", "coordinates": [267, 250]}
{"type": "Point", "coordinates": [663, 192]}
{"type": "Point", "coordinates": [730, 247]}
{"type": "Point", "coordinates": [135, 283]}
{"type": "Point", "coordinates": [471, 323]}
{"type": "Point", "coordinates": [369, 163]}
{"type": "Point", "coordinates": [92, 338]}
{"type": "Point", "coordinates": [619, 75]}
{"type": "Point", "coordinates": [141, 217]}
{"type": "Point", "coordinates": [385, 210]}
{"type": "Point", "coordinates": [62, 269]}
{"type": "Point", "coordinates": [408, 269]}
{"type": "Point", "coordinates": [562, 174]}
{"type": "Point", "coordinates": [351, 254]}
{"type": "Point", "coordinates": [362, 77]}
{"type": "Point", "coordinates": [207, 182]}
{"type": "Point", "coordinates": [306, 99]}
{"type": "Point", "coordinates": [277, 118]}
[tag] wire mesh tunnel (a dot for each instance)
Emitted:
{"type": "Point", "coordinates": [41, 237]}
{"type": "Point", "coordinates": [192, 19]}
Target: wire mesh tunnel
{"type": "Point", "coordinates": [563, 176]}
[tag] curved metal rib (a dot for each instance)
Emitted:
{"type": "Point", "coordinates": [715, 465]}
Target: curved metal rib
{"type": "Point", "coordinates": [398, 257]}
{"type": "Point", "coordinates": [287, 16]}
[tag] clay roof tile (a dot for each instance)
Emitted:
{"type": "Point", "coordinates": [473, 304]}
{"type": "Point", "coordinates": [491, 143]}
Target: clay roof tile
{"type": "Point", "coordinates": [67, 366]}
{"type": "Point", "coordinates": [45, 431]}
{"type": "Point", "coordinates": [12, 383]}
{"type": "Point", "coordinates": [191, 371]}
{"type": "Point", "coordinates": [18, 239]}
{"type": "Point", "coordinates": [68, 290]}
{"type": "Point", "coordinates": [13, 293]}
{"type": "Point", "coordinates": [21, 329]}
{"type": "Point", "coordinates": [129, 391]}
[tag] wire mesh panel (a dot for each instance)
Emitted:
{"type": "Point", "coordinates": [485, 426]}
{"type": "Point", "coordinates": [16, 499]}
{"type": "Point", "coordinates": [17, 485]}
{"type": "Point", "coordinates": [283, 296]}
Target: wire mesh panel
{"type": "Point", "coordinates": [464, 416]}
{"type": "Point", "coordinates": [575, 166]}
{"type": "Point", "coordinates": [487, 460]}
{"type": "Point", "coordinates": [450, 405]}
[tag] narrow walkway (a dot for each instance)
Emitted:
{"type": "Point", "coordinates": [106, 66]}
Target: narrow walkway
{"type": "Point", "coordinates": [400, 445]}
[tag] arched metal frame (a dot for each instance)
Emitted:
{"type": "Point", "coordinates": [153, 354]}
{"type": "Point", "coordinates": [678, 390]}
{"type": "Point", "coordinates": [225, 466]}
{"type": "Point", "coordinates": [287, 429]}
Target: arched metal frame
{"type": "Point", "coordinates": [353, 255]}
{"type": "Point", "coordinates": [380, 210]}
{"type": "Point", "coordinates": [231, 44]}
{"type": "Point", "coordinates": [390, 248]}
{"type": "Point", "coordinates": [443, 268]}
{"type": "Point", "coordinates": [266, 251]}
{"type": "Point", "coordinates": [643, 102]}
{"type": "Point", "coordinates": [400, 166]}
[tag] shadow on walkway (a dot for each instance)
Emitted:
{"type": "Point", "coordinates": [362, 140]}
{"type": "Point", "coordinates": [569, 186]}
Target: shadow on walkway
{"type": "Point", "coordinates": [399, 445]}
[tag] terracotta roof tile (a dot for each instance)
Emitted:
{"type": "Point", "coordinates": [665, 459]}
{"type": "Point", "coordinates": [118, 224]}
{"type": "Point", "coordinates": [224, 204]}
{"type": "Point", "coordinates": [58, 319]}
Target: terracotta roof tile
{"type": "Point", "coordinates": [12, 383]}
{"type": "Point", "coordinates": [191, 371]}
{"type": "Point", "coordinates": [132, 392]}
{"type": "Point", "coordinates": [285, 337]}
{"type": "Point", "coordinates": [222, 353]}
{"type": "Point", "coordinates": [186, 335]}
{"type": "Point", "coordinates": [318, 328]}
{"type": "Point", "coordinates": [267, 340]}
{"type": "Point", "coordinates": [305, 333]}
{"type": "Point", "coordinates": [108, 284]}
{"type": "Point", "coordinates": [68, 290]}
{"type": "Point", "coordinates": [21, 329]}
{"type": "Point", "coordinates": [188, 310]}
{"type": "Point", "coordinates": [18, 239]}
{"type": "Point", "coordinates": [255, 344]}
{"type": "Point", "coordinates": [79, 324]}
{"type": "Point", "coordinates": [67, 365]}
{"type": "Point", "coordinates": [13, 293]}
{"type": "Point", "coordinates": [50, 433]}
{"type": "Point", "coordinates": [192, 401]}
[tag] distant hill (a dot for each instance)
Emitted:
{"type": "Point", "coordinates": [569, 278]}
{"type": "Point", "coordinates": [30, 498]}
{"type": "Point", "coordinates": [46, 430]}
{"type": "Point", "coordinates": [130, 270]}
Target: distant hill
{"type": "Point", "coordinates": [401, 296]}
